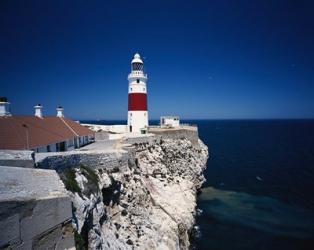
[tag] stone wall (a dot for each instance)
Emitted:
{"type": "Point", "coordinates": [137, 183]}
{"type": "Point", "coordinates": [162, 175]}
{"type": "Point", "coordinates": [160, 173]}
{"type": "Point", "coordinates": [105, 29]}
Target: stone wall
{"type": "Point", "coordinates": [115, 159]}
{"type": "Point", "coordinates": [156, 135]}
{"type": "Point", "coordinates": [149, 139]}
{"type": "Point", "coordinates": [35, 211]}
{"type": "Point", "coordinates": [189, 133]}
{"type": "Point", "coordinates": [17, 158]}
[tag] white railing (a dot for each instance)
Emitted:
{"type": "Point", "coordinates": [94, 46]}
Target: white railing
{"type": "Point", "coordinates": [188, 124]}
{"type": "Point", "coordinates": [182, 125]}
{"type": "Point", "coordinates": [137, 74]}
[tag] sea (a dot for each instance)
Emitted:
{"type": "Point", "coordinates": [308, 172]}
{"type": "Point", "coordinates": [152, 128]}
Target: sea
{"type": "Point", "coordinates": [259, 189]}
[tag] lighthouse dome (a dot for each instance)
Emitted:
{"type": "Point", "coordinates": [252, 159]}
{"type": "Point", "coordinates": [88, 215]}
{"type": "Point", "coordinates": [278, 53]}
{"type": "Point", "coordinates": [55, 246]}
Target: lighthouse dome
{"type": "Point", "coordinates": [137, 58]}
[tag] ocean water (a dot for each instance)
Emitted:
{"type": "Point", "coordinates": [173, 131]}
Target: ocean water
{"type": "Point", "coordinates": [259, 192]}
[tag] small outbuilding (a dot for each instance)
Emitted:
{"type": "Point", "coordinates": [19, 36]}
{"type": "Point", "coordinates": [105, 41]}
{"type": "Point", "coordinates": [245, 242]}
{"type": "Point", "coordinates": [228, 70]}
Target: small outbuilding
{"type": "Point", "coordinates": [170, 121]}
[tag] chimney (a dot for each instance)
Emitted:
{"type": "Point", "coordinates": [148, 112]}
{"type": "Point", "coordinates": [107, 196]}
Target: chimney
{"type": "Point", "coordinates": [4, 107]}
{"type": "Point", "coordinates": [60, 112]}
{"type": "Point", "coordinates": [38, 111]}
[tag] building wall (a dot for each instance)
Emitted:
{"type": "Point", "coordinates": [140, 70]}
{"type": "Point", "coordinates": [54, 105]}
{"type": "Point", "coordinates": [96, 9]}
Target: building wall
{"type": "Point", "coordinates": [70, 144]}
{"type": "Point", "coordinates": [137, 87]}
{"type": "Point", "coordinates": [137, 103]}
{"type": "Point", "coordinates": [172, 121]}
{"type": "Point", "coordinates": [190, 133]}
{"type": "Point", "coordinates": [138, 120]}
{"type": "Point", "coordinates": [42, 149]}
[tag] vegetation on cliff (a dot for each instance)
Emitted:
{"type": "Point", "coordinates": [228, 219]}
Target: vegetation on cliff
{"type": "Point", "coordinates": [69, 181]}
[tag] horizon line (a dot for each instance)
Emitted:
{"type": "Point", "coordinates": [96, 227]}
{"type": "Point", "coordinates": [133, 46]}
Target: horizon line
{"type": "Point", "coordinates": [207, 119]}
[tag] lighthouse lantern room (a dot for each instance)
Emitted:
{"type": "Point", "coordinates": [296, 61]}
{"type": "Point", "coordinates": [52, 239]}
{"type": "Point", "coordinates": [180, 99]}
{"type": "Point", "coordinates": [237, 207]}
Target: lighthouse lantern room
{"type": "Point", "coordinates": [137, 105]}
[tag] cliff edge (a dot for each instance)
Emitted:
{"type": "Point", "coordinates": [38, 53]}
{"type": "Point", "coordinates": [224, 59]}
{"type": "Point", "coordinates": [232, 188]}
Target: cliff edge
{"type": "Point", "coordinates": [131, 193]}
{"type": "Point", "coordinates": [149, 203]}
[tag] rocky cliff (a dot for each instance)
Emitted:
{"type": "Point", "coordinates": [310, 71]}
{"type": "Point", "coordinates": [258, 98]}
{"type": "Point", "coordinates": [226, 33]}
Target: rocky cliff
{"type": "Point", "coordinates": [147, 204]}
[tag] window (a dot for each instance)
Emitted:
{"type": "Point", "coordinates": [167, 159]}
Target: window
{"type": "Point", "coordinates": [143, 89]}
{"type": "Point", "coordinates": [48, 148]}
{"type": "Point", "coordinates": [130, 89]}
{"type": "Point", "coordinates": [137, 80]}
{"type": "Point", "coordinates": [137, 66]}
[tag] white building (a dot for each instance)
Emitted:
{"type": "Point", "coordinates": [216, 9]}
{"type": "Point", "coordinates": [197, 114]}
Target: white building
{"type": "Point", "coordinates": [41, 133]}
{"type": "Point", "coordinates": [137, 104]}
{"type": "Point", "coordinates": [170, 121]}
{"type": "Point", "coordinates": [4, 107]}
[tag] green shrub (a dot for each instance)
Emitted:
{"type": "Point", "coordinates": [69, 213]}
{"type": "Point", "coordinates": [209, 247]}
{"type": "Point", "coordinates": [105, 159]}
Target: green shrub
{"type": "Point", "coordinates": [91, 176]}
{"type": "Point", "coordinates": [70, 183]}
{"type": "Point", "coordinates": [79, 241]}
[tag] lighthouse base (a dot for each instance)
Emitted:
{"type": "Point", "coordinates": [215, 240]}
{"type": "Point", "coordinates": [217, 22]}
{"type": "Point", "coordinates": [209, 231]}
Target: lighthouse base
{"type": "Point", "coordinates": [137, 121]}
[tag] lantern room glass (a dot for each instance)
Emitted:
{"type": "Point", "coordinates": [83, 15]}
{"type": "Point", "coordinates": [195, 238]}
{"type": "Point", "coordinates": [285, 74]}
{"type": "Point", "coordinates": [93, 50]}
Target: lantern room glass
{"type": "Point", "coordinates": [137, 66]}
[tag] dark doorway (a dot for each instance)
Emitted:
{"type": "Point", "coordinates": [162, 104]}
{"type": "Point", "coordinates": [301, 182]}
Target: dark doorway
{"type": "Point", "coordinates": [130, 128]}
{"type": "Point", "coordinates": [62, 146]}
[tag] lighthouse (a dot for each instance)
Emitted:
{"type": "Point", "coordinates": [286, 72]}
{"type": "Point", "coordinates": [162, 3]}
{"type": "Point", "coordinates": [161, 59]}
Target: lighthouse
{"type": "Point", "coordinates": [137, 105]}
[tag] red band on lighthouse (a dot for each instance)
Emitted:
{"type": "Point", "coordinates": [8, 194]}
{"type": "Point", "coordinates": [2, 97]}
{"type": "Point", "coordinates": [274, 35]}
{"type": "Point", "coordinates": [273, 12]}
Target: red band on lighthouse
{"type": "Point", "coordinates": [137, 102]}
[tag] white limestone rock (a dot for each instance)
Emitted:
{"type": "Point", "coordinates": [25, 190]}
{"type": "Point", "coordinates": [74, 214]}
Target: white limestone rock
{"type": "Point", "coordinates": [148, 205]}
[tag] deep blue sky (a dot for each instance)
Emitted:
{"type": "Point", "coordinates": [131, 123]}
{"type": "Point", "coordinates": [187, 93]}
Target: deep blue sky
{"type": "Point", "coordinates": [204, 59]}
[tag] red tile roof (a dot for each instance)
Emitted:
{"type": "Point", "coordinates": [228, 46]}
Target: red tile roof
{"type": "Point", "coordinates": [14, 131]}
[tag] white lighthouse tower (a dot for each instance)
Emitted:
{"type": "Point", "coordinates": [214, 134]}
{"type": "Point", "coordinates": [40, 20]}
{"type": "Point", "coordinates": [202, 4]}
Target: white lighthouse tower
{"type": "Point", "coordinates": [137, 106]}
